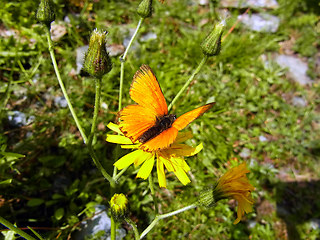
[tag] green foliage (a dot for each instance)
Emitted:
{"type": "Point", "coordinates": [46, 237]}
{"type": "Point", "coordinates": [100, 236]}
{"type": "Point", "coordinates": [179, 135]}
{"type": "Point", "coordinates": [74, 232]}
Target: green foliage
{"type": "Point", "coordinates": [47, 178]}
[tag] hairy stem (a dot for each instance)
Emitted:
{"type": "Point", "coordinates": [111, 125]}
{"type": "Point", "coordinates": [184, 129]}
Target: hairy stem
{"type": "Point", "coordinates": [73, 113]}
{"type": "Point", "coordinates": [203, 61]}
{"type": "Point", "coordinates": [134, 227]}
{"type": "Point", "coordinates": [113, 229]}
{"type": "Point", "coordinates": [163, 216]}
{"type": "Point", "coordinates": [15, 229]}
{"type": "Point", "coordinates": [122, 61]}
{"type": "Point", "coordinates": [65, 94]}
{"type": "Point", "coordinates": [155, 201]}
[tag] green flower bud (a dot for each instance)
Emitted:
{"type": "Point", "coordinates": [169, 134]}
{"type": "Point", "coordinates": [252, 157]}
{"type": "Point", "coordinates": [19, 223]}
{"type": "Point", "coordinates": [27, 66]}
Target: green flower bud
{"type": "Point", "coordinates": [119, 206]}
{"type": "Point", "coordinates": [45, 13]}
{"type": "Point", "coordinates": [211, 45]}
{"type": "Point", "coordinates": [145, 8]}
{"type": "Point", "coordinates": [97, 61]}
{"type": "Point", "coordinates": [206, 197]}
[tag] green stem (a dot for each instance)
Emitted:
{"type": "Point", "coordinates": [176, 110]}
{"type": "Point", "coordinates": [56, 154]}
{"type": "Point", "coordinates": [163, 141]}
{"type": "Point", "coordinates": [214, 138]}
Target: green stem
{"type": "Point", "coordinates": [96, 111]}
{"type": "Point", "coordinates": [159, 217]}
{"type": "Point", "coordinates": [92, 132]}
{"type": "Point", "coordinates": [100, 167]}
{"type": "Point", "coordinates": [113, 229]}
{"type": "Point", "coordinates": [91, 152]}
{"type": "Point", "coordinates": [15, 229]}
{"type": "Point", "coordinates": [203, 61]}
{"type": "Point", "coordinates": [155, 200]}
{"type": "Point", "coordinates": [65, 94]}
{"type": "Point", "coordinates": [134, 227]}
{"type": "Point", "coordinates": [35, 233]}
{"type": "Point", "coordinates": [115, 178]}
{"type": "Point", "coordinates": [122, 61]}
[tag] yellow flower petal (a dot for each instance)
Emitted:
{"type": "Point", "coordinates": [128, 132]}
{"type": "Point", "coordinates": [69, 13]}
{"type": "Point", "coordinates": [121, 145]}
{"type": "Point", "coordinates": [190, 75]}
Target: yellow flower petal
{"type": "Point", "coordinates": [161, 175]}
{"type": "Point", "coordinates": [114, 127]}
{"type": "Point", "coordinates": [235, 184]}
{"type": "Point", "coordinates": [128, 159]}
{"type": "Point", "coordinates": [167, 163]}
{"type": "Point", "coordinates": [146, 168]}
{"type": "Point", "coordinates": [183, 150]}
{"type": "Point", "coordinates": [183, 136]}
{"type": "Point", "coordinates": [131, 146]}
{"type": "Point", "coordinates": [119, 139]}
{"type": "Point", "coordinates": [146, 156]}
{"type": "Point", "coordinates": [182, 176]}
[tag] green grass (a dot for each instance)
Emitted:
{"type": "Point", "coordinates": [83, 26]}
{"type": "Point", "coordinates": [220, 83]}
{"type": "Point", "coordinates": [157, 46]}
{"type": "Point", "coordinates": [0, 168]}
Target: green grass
{"type": "Point", "coordinates": [56, 184]}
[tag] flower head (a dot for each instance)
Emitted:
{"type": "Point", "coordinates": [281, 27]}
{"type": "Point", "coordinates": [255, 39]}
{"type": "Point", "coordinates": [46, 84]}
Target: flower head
{"type": "Point", "coordinates": [172, 158]}
{"type": "Point", "coordinates": [233, 184]}
{"type": "Point", "coordinates": [119, 206]}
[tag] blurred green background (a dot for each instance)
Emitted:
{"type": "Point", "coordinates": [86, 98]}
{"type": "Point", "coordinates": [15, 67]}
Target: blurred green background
{"type": "Point", "coordinates": [265, 114]}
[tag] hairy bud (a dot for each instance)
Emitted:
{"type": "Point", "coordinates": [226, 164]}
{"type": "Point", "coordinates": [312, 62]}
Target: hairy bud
{"type": "Point", "coordinates": [211, 45]}
{"type": "Point", "coordinates": [45, 13]}
{"type": "Point", "coordinates": [97, 61]}
{"type": "Point", "coordinates": [145, 8]}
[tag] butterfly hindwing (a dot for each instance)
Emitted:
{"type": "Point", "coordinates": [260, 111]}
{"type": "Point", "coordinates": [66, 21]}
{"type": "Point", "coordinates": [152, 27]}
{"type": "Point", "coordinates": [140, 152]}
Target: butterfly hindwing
{"type": "Point", "coordinates": [189, 117]}
{"type": "Point", "coordinates": [163, 140]}
{"type": "Point", "coordinates": [135, 120]}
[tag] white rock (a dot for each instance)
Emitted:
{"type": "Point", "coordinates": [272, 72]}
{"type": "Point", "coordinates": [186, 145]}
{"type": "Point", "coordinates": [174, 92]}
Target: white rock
{"type": "Point", "coordinates": [297, 69]}
{"type": "Point", "coordinates": [260, 22]}
{"type": "Point", "coordinates": [263, 138]}
{"type": "Point", "coordinates": [250, 3]}
{"type": "Point", "coordinates": [81, 51]}
{"type": "Point", "coordinates": [100, 222]}
{"type": "Point", "coordinates": [60, 102]}
{"type": "Point", "coordinates": [148, 36]}
{"type": "Point", "coordinates": [299, 102]}
{"type": "Point", "coordinates": [245, 153]}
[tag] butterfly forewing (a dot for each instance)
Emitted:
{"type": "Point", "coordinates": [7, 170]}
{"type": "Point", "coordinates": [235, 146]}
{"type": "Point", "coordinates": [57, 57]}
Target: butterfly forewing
{"type": "Point", "coordinates": [189, 117]}
{"type": "Point", "coordinates": [145, 90]}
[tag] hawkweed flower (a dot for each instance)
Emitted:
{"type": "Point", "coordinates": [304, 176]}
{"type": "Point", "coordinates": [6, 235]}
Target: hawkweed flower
{"type": "Point", "coordinates": [97, 61]}
{"type": "Point", "coordinates": [172, 157]}
{"type": "Point", "coordinates": [119, 206]}
{"type": "Point", "coordinates": [233, 184]}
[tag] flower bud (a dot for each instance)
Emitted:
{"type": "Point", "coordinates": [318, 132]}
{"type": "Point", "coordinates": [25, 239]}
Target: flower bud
{"type": "Point", "coordinates": [211, 45]}
{"type": "Point", "coordinates": [97, 61]}
{"type": "Point", "coordinates": [45, 13]}
{"type": "Point", "coordinates": [206, 197]}
{"type": "Point", "coordinates": [145, 8]}
{"type": "Point", "coordinates": [119, 206]}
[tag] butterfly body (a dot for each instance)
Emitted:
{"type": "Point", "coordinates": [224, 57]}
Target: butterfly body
{"type": "Point", "coordinates": [162, 123]}
{"type": "Point", "coordinates": [148, 121]}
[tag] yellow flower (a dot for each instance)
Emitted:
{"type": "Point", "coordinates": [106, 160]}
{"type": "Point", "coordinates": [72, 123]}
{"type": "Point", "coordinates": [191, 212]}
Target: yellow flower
{"type": "Point", "coordinates": [119, 206]}
{"type": "Point", "coordinates": [233, 184]}
{"type": "Point", "coordinates": [172, 157]}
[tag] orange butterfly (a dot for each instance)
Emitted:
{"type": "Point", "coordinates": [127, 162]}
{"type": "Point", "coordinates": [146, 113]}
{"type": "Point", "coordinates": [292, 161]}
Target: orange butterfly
{"type": "Point", "coordinates": [148, 121]}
